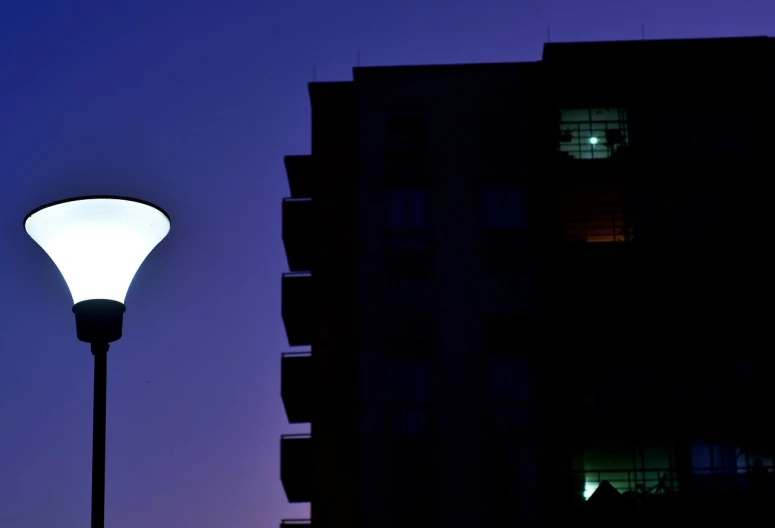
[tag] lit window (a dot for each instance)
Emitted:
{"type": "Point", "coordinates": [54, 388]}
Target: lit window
{"type": "Point", "coordinates": [644, 469]}
{"type": "Point", "coordinates": [592, 133]}
{"type": "Point", "coordinates": [713, 458]}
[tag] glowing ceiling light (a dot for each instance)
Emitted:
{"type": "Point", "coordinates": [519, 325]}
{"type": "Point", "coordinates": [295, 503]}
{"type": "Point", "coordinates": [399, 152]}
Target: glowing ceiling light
{"type": "Point", "coordinates": [593, 140]}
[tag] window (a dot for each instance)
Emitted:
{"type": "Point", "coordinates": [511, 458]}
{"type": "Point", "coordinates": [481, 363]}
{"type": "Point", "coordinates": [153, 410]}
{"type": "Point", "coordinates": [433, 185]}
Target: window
{"type": "Point", "coordinates": [410, 396]}
{"type": "Point", "coordinates": [406, 129]}
{"type": "Point", "coordinates": [592, 133]}
{"type": "Point", "coordinates": [647, 469]}
{"type": "Point", "coordinates": [409, 336]}
{"type": "Point", "coordinates": [714, 458]}
{"type": "Point", "coordinates": [634, 387]}
{"type": "Point", "coordinates": [406, 220]}
{"type": "Point", "coordinates": [406, 151]}
{"type": "Point", "coordinates": [515, 479]}
{"type": "Point", "coordinates": [498, 139]}
{"type": "Point", "coordinates": [510, 383]}
{"type": "Point", "coordinates": [409, 293]}
{"type": "Point", "coordinates": [407, 210]}
{"type": "Point", "coordinates": [510, 379]}
{"type": "Point", "coordinates": [413, 468]}
{"type": "Point", "coordinates": [593, 213]}
{"type": "Point", "coordinates": [505, 291]}
{"type": "Point", "coordinates": [503, 207]}
{"type": "Point", "coordinates": [409, 379]}
{"type": "Point", "coordinates": [506, 335]}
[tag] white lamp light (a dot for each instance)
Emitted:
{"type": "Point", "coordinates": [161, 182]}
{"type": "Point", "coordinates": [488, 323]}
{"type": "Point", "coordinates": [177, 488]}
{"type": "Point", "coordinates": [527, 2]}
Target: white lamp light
{"type": "Point", "coordinates": [98, 243]}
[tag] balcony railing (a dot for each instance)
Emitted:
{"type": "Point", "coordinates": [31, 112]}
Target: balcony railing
{"type": "Point", "coordinates": [647, 480]}
{"type": "Point", "coordinates": [296, 380]}
{"type": "Point", "coordinates": [298, 232]}
{"type": "Point", "coordinates": [729, 481]}
{"type": "Point", "coordinates": [296, 467]}
{"type": "Point", "coordinates": [294, 523]}
{"type": "Point", "coordinates": [297, 306]}
{"type": "Point", "coordinates": [300, 175]}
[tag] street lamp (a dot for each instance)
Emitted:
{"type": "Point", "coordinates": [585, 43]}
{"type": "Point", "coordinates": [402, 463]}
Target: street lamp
{"type": "Point", "coordinates": [98, 243]}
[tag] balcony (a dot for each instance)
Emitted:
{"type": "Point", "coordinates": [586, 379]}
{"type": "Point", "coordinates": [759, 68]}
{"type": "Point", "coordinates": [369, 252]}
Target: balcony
{"type": "Point", "coordinates": [300, 171]}
{"type": "Point", "coordinates": [295, 386]}
{"type": "Point", "coordinates": [297, 232]}
{"type": "Point", "coordinates": [297, 297]}
{"type": "Point", "coordinates": [296, 467]}
{"type": "Point", "coordinates": [295, 523]}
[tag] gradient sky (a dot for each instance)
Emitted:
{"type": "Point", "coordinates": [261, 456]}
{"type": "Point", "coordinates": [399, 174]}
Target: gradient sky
{"type": "Point", "coordinates": [192, 105]}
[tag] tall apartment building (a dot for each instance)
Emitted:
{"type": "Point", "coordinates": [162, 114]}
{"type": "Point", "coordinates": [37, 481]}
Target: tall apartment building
{"type": "Point", "coordinates": [536, 294]}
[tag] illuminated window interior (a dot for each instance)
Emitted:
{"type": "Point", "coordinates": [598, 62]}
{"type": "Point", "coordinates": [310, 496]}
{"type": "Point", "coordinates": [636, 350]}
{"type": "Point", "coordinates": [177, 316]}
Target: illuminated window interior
{"type": "Point", "coordinates": [642, 469]}
{"type": "Point", "coordinates": [712, 458]}
{"type": "Point", "coordinates": [592, 133]}
{"type": "Point", "coordinates": [593, 213]}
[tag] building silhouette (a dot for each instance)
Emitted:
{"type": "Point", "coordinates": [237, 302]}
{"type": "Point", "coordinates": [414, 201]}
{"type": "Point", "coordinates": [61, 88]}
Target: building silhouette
{"type": "Point", "coordinates": [536, 294]}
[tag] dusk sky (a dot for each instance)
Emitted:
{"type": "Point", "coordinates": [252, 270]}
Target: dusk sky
{"type": "Point", "coordinates": [192, 105]}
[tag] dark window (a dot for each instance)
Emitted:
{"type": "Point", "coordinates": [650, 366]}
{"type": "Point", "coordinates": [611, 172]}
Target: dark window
{"type": "Point", "coordinates": [498, 140]}
{"type": "Point", "coordinates": [511, 386]}
{"type": "Point", "coordinates": [515, 479]}
{"type": "Point", "coordinates": [710, 133]}
{"type": "Point", "coordinates": [411, 395]}
{"type": "Point", "coordinates": [592, 133]}
{"type": "Point", "coordinates": [510, 378]}
{"type": "Point", "coordinates": [505, 291]}
{"type": "Point", "coordinates": [406, 220]}
{"type": "Point", "coordinates": [406, 130]}
{"type": "Point", "coordinates": [410, 380]}
{"type": "Point", "coordinates": [634, 387]}
{"type": "Point", "coordinates": [409, 336]}
{"type": "Point", "coordinates": [407, 210]}
{"type": "Point", "coordinates": [409, 293]}
{"type": "Point", "coordinates": [506, 335]}
{"type": "Point", "coordinates": [502, 207]}
{"type": "Point", "coordinates": [413, 468]}
{"type": "Point", "coordinates": [406, 150]}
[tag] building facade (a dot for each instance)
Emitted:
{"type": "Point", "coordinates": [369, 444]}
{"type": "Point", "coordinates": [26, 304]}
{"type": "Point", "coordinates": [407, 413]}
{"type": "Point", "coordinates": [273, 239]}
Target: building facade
{"type": "Point", "coordinates": [534, 292]}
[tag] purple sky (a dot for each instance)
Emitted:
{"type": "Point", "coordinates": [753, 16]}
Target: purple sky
{"type": "Point", "coordinates": [193, 106]}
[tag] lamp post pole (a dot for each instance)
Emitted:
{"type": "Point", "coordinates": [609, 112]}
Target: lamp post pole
{"type": "Point", "coordinates": [100, 353]}
{"type": "Point", "coordinates": [98, 243]}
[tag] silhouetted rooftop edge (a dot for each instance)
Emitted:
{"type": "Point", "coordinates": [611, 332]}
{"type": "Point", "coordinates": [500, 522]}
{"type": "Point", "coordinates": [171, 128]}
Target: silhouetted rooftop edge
{"type": "Point", "coordinates": [551, 48]}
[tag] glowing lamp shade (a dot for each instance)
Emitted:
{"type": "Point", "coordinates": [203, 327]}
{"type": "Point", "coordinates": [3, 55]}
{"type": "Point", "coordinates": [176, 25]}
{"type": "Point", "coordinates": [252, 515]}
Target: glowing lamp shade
{"type": "Point", "coordinates": [98, 243]}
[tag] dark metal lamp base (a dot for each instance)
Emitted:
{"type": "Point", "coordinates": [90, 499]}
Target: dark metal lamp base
{"type": "Point", "coordinates": [99, 320]}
